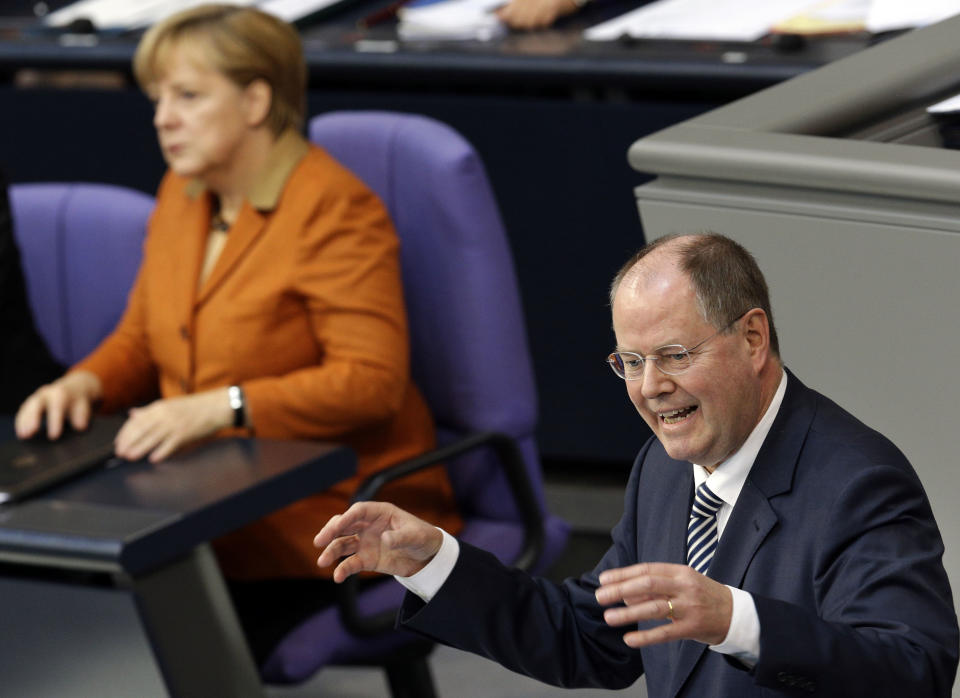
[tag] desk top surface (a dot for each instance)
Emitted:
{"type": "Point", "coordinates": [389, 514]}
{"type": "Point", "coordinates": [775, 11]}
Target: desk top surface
{"type": "Point", "coordinates": [339, 52]}
{"type": "Point", "coordinates": [136, 516]}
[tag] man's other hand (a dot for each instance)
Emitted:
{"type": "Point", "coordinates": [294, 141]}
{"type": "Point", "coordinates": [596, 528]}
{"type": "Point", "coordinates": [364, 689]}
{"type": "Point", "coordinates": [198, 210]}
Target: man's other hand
{"type": "Point", "coordinates": [377, 537]}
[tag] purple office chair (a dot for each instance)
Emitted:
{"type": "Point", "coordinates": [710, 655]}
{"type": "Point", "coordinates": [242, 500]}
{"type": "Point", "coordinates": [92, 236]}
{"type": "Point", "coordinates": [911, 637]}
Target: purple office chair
{"type": "Point", "coordinates": [469, 357]}
{"type": "Point", "coordinates": [80, 246]}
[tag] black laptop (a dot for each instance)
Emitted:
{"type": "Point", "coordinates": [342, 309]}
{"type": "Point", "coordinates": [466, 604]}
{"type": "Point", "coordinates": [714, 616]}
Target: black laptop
{"type": "Point", "coordinates": [32, 465]}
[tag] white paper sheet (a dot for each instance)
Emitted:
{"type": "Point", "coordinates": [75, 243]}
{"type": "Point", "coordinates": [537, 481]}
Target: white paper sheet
{"type": "Point", "coordinates": [292, 10]}
{"type": "Point", "coordinates": [721, 20]}
{"type": "Point", "coordinates": [451, 20]}
{"type": "Point", "coordinates": [947, 106]}
{"type": "Point", "coordinates": [120, 14]}
{"type": "Point", "coordinates": [130, 14]}
{"type": "Point", "coordinates": [886, 15]}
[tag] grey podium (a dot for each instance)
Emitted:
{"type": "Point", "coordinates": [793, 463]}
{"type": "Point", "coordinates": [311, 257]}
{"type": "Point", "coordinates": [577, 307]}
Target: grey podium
{"type": "Point", "coordinates": [848, 194]}
{"type": "Point", "coordinates": [109, 585]}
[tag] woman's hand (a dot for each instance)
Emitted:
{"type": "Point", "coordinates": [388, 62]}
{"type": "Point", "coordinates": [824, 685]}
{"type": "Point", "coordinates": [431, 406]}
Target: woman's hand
{"type": "Point", "coordinates": [70, 397]}
{"type": "Point", "coordinates": [163, 426]}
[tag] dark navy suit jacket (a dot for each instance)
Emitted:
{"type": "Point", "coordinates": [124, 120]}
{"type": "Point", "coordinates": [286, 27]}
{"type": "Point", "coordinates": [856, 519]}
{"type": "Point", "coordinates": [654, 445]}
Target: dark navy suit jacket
{"type": "Point", "coordinates": [832, 535]}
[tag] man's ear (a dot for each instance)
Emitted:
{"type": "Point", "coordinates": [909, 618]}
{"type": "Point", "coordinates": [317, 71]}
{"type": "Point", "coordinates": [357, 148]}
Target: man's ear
{"type": "Point", "coordinates": [258, 97]}
{"type": "Point", "coordinates": [756, 331]}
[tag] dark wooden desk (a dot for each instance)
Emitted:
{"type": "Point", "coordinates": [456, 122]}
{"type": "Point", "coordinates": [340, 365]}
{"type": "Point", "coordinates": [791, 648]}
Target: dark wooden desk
{"type": "Point", "coordinates": [108, 582]}
{"type": "Point", "coordinates": [552, 116]}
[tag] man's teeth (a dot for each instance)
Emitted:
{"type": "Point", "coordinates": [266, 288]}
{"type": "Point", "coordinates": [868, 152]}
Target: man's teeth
{"type": "Point", "coordinates": [678, 415]}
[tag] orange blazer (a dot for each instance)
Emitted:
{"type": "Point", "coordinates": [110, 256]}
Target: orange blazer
{"type": "Point", "coordinates": [304, 309]}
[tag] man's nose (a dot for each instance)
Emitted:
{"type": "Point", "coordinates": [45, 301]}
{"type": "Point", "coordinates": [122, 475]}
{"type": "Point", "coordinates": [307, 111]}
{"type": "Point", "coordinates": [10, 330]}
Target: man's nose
{"type": "Point", "coordinates": [654, 382]}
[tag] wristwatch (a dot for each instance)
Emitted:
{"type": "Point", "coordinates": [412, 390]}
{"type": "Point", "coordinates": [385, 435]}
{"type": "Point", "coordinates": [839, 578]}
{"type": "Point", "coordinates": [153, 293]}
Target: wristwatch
{"type": "Point", "coordinates": [238, 404]}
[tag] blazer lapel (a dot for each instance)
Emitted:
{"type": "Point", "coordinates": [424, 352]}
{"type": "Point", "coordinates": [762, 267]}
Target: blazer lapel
{"type": "Point", "coordinates": [753, 517]}
{"type": "Point", "coordinates": [676, 519]}
{"type": "Point", "coordinates": [187, 250]}
{"type": "Point", "coordinates": [668, 492]}
{"type": "Point", "coordinates": [245, 231]}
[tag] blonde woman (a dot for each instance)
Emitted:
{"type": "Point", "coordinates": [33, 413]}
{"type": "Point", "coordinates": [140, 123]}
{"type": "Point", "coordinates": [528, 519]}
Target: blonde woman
{"type": "Point", "coordinates": [269, 301]}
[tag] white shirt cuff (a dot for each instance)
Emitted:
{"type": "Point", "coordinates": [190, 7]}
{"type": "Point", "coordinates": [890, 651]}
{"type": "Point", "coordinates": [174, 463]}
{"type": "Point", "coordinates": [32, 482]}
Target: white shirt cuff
{"type": "Point", "coordinates": [427, 582]}
{"type": "Point", "coordinates": [743, 638]}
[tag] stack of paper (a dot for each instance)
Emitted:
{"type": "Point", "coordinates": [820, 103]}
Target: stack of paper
{"type": "Point", "coordinates": [124, 14]}
{"type": "Point", "coordinates": [119, 14]}
{"type": "Point", "coordinates": [450, 19]}
{"type": "Point", "coordinates": [827, 17]}
{"type": "Point", "coordinates": [947, 106]}
{"type": "Point", "coordinates": [749, 20]}
{"type": "Point", "coordinates": [886, 15]}
{"type": "Point", "coordinates": [730, 20]}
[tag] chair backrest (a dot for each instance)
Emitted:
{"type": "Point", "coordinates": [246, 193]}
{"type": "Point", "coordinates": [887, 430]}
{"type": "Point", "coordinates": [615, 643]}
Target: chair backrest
{"type": "Point", "coordinates": [468, 337]}
{"type": "Point", "coordinates": [80, 246]}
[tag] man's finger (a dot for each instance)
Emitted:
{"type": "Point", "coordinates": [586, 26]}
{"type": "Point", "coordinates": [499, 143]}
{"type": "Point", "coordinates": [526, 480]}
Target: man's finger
{"type": "Point", "coordinates": [658, 609]}
{"type": "Point", "coordinates": [660, 569]}
{"type": "Point", "coordinates": [328, 532]}
{"type": "Point", "coordinates": [339, 547]}
{"type": "Point", "coordinates": [641, 587]}
{"type": "Point", "coordinates": [348, 567]}
{"type": "Point", "coordinates": [655, 636]}
{"type": "Point", "coordinates": [351, 522]}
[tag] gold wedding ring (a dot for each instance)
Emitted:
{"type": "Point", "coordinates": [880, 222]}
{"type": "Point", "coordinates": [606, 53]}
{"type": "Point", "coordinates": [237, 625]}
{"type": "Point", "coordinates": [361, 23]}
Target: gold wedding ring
{"type": "Point", "coordinates": [670, 610]}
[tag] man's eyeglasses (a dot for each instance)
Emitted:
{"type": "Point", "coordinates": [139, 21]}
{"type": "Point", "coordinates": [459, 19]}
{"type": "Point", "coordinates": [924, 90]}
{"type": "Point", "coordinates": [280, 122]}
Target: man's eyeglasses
{"type": "Point", "coordinates": [672, 359]}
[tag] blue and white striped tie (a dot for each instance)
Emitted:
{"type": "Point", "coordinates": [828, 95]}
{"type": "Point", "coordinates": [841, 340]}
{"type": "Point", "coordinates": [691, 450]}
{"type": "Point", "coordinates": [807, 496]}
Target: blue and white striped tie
{"type": "Point", "coordinates": [702, 531]}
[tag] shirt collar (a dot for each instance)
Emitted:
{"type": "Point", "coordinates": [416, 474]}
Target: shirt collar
{"type": "Point", "coordinates": [287, 152]}
{"type": "Point", "coordinates": [727, 479]}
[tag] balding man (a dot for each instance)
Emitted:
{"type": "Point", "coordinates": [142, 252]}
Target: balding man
{"type": "Point", "coordinates": [770, 542]}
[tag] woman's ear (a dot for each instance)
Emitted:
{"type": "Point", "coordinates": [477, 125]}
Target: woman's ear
{"type": "Point", "coordinates": [258, 97]}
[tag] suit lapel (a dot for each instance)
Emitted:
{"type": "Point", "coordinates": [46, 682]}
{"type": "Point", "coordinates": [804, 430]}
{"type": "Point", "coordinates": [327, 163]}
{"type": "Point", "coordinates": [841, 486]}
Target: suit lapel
{"type": "Point", "coordinates": [667, 494]}
{"type": "Point", "coordinates": [753, 517]}
{"type": "Point", "coordinates": [187, 250]}
{"type": "Point", "coordinates": [245, 231]}
{"type": "Point", "coordinates": [677, 552]}
{"type": "Point", "coordinates": [677, 517]}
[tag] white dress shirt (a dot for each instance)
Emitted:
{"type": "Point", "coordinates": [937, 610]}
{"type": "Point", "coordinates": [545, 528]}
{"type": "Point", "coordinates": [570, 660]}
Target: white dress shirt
{"type": "Point", "coordinates": [726, 481]}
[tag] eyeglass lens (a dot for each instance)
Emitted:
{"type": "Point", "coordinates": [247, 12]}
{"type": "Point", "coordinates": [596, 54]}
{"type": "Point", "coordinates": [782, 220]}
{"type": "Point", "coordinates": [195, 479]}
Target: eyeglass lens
{"type": "Point", "coordinates": [671, 360]}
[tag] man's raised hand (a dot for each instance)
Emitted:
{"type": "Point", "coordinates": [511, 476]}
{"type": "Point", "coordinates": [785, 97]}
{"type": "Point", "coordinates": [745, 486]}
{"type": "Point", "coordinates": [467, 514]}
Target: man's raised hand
{"type": "Point", "coordinates": [377, 537]}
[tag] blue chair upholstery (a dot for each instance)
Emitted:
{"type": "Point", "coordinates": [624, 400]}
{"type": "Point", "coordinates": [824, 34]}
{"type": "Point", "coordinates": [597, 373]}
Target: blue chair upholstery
{"type": "Point", "coordinates": [469, 357]}
{"type": "Point", "coordinates": [80, 246]}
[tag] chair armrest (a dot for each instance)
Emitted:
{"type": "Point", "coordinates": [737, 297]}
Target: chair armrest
{"type": "Point", "coordinates": [510, 458]}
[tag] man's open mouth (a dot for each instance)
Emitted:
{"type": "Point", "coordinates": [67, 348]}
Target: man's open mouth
{"type": "Point", "coordinates": [676, 416]}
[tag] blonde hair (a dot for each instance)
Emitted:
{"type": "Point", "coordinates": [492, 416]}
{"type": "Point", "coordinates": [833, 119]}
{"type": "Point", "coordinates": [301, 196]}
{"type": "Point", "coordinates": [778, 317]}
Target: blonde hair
{"type": "Point", "coordinates": [242, 43]}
